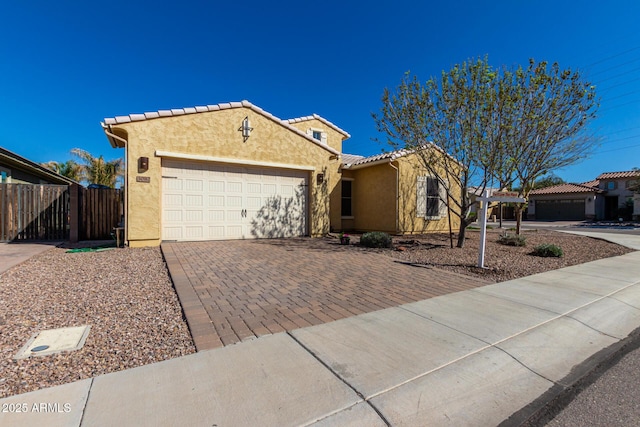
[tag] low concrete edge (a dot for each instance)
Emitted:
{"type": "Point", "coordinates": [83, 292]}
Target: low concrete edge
{"type": "Point", "coordinates": [547, 406]}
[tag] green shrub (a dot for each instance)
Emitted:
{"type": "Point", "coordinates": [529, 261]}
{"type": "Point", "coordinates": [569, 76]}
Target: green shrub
{"type": "Point", "coordinates": [512, 240]}
{"type": "Point", "coordinates": [548, 250]}
{"type": "Point", "coordinates": [376, 239]}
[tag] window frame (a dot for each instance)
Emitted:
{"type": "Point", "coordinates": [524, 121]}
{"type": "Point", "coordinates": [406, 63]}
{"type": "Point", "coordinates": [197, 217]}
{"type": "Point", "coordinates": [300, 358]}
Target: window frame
{"type": "Point", "coordinates": [349, 198]}
{"type": "Point", "coordinates": [423, 197]}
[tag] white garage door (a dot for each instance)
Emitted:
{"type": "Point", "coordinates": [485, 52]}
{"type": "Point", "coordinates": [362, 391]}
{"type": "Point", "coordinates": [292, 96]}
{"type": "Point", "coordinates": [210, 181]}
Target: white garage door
{"type": "Point", "coordinates": [211, 201]}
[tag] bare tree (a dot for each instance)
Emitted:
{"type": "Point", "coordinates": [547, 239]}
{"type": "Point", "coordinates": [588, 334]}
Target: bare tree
{"type": "Point", "coordinates": [476, 125]}
{"type": "Point", "coordinates": [548, 127]}
{"type": "Point", "coordinates": [444, 121]}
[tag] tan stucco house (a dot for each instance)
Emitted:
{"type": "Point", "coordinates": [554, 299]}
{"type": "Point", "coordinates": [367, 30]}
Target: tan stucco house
{"type": "Point", "coordinates": [235, 171]}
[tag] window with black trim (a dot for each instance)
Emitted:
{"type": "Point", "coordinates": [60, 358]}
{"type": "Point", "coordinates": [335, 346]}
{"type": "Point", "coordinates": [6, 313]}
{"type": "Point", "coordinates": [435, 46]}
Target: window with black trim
{"type": "Point", "coordinates": [347, 187]}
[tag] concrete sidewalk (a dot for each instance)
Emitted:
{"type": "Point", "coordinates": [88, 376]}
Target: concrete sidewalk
{"type": "Point", "coordinates": [629, 240]}
{"type": "Point", "coordinates": [470, 358]}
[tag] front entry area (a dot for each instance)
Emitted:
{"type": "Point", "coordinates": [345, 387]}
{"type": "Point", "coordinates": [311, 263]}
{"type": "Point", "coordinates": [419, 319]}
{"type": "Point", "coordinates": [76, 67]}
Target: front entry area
{"type": "Point", "coordinates": [214, 201]}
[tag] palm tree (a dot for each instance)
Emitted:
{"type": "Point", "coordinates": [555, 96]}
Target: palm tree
{"type": "Point", "coordinates": [96, 170]}
{"type": "Point", "coordinates": [70, 169]}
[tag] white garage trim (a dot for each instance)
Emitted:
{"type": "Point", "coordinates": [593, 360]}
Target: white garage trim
{"type": "Point", "coordinates": [160, 153]}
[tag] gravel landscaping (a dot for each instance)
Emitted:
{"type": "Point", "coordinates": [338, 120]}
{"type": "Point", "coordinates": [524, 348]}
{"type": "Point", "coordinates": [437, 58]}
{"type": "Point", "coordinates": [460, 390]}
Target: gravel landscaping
{"type": "Point", "coordinates": [502, 262]}
{"type": "Point", "coordinates": [126, 296]}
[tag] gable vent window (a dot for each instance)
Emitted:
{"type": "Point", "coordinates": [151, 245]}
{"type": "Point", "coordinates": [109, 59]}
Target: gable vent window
{"type": "Point", "coordinates": [318, 135]}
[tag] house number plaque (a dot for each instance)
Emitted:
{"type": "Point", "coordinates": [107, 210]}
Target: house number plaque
{"type": "Point", "coordinates": [146, 179]}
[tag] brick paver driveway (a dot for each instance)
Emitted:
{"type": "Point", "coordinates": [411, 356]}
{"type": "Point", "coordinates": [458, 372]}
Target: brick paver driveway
{"type": "Point", "coordinates": [234, 290]}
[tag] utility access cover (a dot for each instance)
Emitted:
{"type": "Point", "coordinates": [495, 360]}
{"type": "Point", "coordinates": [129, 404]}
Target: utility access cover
{"type": "Point", "coordinates": [54, 341]}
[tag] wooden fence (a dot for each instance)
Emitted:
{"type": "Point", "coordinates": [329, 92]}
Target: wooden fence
{"type": "Point", "coordinates": [58, 212]}
{"type": "Point", "coordinates": [100, 211]}
{"type": "Point", "coordinates": [34, 212]}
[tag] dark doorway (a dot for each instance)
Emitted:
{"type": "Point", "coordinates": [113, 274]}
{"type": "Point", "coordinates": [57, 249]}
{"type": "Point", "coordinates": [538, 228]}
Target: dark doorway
{"type": "Point", "coordinates": [611, 207]}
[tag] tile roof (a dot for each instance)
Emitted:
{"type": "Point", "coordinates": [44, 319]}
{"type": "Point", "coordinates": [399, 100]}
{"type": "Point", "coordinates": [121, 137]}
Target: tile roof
{"type": "Point", "coordinates": [594, 183]}
{"type": "Point", "coordinates": [323, 120]}
{"type": "Point", "coordinates": [371, 159]}
{"type": "Point", "coordinates": [223, 106]}
{"type": "Point", "coordinates": [348, 159]}
{"type": "Point", "coordinates": [614, 175]}
{"type": "Point", "coordinates": [566, 188]}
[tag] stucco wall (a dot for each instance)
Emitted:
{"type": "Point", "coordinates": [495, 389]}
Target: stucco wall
{"type": "Point", "coordinates": [216, 134]}
{"type": "Point", "coordinates": [375, 189]}
{"type": "Point", "coordinates": [374, 192]}
{"type": "Point", "coordinates": [334, 138]}
{"type": "Point", "coordinates": [410, 168]}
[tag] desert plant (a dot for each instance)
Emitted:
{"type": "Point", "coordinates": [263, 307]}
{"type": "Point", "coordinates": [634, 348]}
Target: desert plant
{"type": "Point", "coordinates": [512, 240]}
{"type": "Point", "coordinates": [376, 239]}
{"type": "Point", "coordinates": [548, 250]}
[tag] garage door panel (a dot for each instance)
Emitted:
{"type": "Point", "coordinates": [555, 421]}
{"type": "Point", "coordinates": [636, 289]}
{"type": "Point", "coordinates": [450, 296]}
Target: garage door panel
{"type": "Point", "coordinates": [254, 188]}
{"type": "Point", "coordinates": [193, 216]}
{"type": "Point", "coordinates": [216, 186]}
{"type": "Point", "coordinates": [173, 184]}
{"type": "Point", "coordinates": [173, 232]}
{"type": "Point", "coordinates": [216, 201]}
{"type": "Point", "coordinates": [173, 215]}
{"type": "Point", "coordinates": [254, 202]}
{"type": "Point", "coordinates": [566, 209]}
{"type": "Point", "coordinates": [234, 187]}
{"type": "Point", "coordinates": [193, 200]}
{"type": "Point", "coordinates": [234, 201]}
{"type": "Point", "coordinates": [172, 199]}
{"type": "Point", "coordinates": [204, 201]}
{"type": "Point", "coordinates": [216, 232]}
{"type": "Point", "coordinates": [194, 232]}
{"type": "Point", "coordinates": [216, 216]}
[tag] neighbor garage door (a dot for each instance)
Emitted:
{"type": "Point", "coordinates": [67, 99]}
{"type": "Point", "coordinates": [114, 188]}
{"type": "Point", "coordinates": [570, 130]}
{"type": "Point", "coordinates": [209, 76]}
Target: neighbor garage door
{"type": "Point", "coordinates": [211, 201]}
{"type": "Point", "coordinates": [559, 210]}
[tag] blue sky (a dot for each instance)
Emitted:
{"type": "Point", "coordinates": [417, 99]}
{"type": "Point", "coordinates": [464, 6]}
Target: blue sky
{"type": "Point", "coordinates": [67, 65]}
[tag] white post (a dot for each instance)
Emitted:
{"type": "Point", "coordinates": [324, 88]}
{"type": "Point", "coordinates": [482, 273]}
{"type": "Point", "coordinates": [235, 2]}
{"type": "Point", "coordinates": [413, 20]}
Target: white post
{"type": "Point", "coordinates": [483, 227]}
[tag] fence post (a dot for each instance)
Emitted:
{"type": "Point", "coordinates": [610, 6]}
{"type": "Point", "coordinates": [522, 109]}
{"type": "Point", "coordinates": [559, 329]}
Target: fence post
{"type": "Point", "coordinates": [74, 208]}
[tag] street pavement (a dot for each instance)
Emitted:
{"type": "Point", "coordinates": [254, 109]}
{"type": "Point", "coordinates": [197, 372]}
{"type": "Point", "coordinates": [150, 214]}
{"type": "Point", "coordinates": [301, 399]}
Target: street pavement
{"type": "Point", "coordinates": [610, 397]}
{"type": "Point", "coordinates": [490, 355]}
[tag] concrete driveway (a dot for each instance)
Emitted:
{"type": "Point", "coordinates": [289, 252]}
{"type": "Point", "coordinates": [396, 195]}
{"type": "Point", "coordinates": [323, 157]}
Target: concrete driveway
{"type": "Point", "coordinates": [236, 290]}
{"type": "Point", "coordinates": [12, 254]}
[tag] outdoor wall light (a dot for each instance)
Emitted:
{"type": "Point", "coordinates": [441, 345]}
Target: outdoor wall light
{"type": "Point", "coordinates": [319, 178]}
{"type": "Point", "coordinates": [143, 164]}
{"type": "Point", "coordinates": [246, 129]}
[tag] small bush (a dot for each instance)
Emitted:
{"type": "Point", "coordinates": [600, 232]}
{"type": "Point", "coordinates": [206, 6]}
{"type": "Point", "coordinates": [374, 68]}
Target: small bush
{"type": "Point", "coordinates": [376, 239]}
{"type": "Point", "coordinates": [512, 240]}
{"type": "Point", "coordinates": [548, 250]}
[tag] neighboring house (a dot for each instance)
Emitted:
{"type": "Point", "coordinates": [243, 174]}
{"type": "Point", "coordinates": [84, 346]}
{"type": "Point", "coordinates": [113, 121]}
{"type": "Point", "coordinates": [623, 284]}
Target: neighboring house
{"type": "Point", "coordinates": [619, 194]}
{"type": "Point", "coordinates": [493, 210]}
{"type": "Point", "coordinates": [15, 169]}
{"type": "Point", "coordinates": [608, 197]}
{"type": "Point", "coordinates": [568, 202]}
{"type": "Point", "coordinates": [235, 171]}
